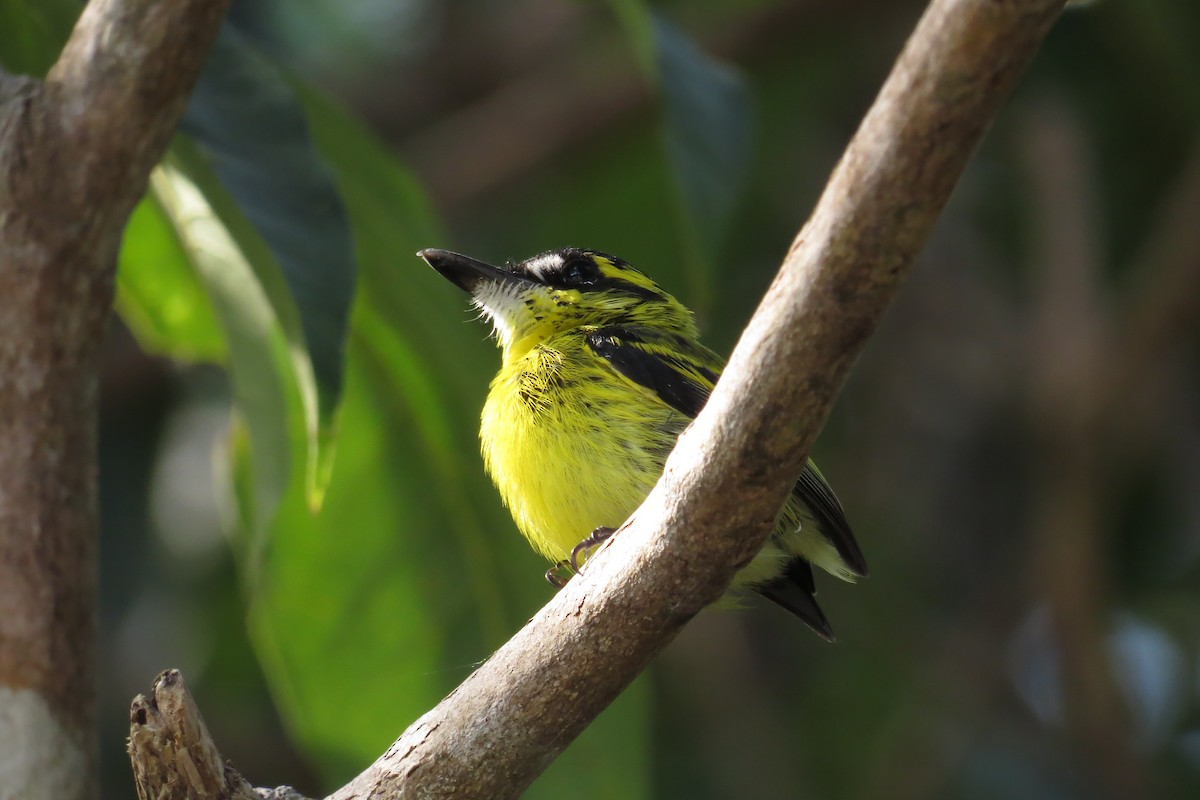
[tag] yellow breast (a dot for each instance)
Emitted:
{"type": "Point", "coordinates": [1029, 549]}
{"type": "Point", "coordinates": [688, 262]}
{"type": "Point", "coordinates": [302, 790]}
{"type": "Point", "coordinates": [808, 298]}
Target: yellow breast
{"type": "Point", "coordinates": [572, 445]}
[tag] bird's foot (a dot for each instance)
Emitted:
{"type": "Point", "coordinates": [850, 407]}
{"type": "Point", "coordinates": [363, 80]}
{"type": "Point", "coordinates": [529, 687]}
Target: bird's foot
{"type": "Point", "coordinates": [558, 575]}
{"type": "Point", "coordinates": [584, 548]}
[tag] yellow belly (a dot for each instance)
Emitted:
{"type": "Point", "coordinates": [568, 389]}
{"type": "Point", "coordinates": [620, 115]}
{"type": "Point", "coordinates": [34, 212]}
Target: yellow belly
{"type": "Point", "coordinates": [570, 457]}
{"type": "Point", "coordinates": [572, 448]}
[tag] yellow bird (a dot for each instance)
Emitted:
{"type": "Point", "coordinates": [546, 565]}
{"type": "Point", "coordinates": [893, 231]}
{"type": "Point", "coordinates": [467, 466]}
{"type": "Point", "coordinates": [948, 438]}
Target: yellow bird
{"type": "Point", "coordinates": [602, 370]}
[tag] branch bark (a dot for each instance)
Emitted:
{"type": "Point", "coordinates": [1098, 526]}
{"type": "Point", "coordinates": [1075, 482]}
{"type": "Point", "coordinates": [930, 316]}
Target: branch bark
{"type": "Point", "coordinates": [733, 468]}
{"type": "Point", "coordinates": [75, 152]}
{"type": "Point", "coordinates": [174, 754]}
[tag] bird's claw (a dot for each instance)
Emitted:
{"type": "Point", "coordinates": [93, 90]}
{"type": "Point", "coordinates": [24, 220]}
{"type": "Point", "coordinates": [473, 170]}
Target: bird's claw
{"type": "Point", "coordinates": [593, 540]}
{"type": "Point", "coordinates": [558, 575]}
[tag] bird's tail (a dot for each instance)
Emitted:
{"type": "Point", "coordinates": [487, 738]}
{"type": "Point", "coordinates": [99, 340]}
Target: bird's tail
{"type": "Point", "coordinates": [794, 592]}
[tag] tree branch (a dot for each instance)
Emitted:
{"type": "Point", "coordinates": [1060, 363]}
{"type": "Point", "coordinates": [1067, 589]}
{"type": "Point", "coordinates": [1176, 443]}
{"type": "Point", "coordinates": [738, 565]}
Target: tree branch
{"type": "Point", "coordinates": [118, 91]}
{"type": "Point", "coordinates": [1160, 316]}
{"type": "Point", "coordinates": [174, 755]}
{"type": "Point", "coordinates": [731, 471]}
{"type": "Point", "coordinates": [75, 154]}
{"type": "Point", "coordinates": [1099, 377]}
{"type": "Point", "coordinates": [1070, 349]}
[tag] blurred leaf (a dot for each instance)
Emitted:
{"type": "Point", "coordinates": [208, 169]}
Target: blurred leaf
{"type": "Point", "coordinates": [259, 174]}
{"type": "Point", "coordinates": [253, 133]}
{"type": "Point", "coordinates": [636, 17]}
{"type": "Point", "coordinates": [352, 614]}
{"type": "Point", "coordinates": [281, 205]}
{"type": "Point", "coordinates": [391, 220]}
{"type": "Point", "coordinates": [32, 33]}
{"type": "Point", "coordinates": [411, 569]}
{"type": "Point", "coordinates": [258, 360]}
{"type": "Point", "coordinates": [159, 294]}
{"type": "Point", "coordinates": [707, 130]}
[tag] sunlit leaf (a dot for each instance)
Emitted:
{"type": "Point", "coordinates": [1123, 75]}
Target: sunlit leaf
{"type": "Point", "coordinates": [411, 569]}
{"type": "Point", "coordinates": [281, 205]}
{"type": "Point", "coordinates": [159, 295]}
{"type": "Point", "coordinates": [258, 359]}
{"type": "Point", "coordinates": [351, 615]}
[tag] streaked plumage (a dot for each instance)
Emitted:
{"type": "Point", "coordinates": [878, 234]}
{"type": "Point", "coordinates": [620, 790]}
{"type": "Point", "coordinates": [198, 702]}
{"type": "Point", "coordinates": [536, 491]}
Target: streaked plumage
{"type": "Point", "coordinates": [602, 370]}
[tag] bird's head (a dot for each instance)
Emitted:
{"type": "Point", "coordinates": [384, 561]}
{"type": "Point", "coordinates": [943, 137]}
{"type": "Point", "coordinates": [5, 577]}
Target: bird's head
{"type": "Point", "coordinates": [540, 297]}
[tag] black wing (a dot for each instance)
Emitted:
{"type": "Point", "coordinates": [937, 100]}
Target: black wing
{"type": "Point", "coordinates": [683, 375]}
{"type": "Point", "coordinates": [814, 491]}
{"type": "Point", "coordinates": [794, 591]}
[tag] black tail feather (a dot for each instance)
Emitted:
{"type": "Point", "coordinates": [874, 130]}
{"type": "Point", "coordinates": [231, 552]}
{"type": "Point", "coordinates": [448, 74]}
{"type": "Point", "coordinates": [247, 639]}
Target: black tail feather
{"type": "Point", "coordinates": [793, 591]}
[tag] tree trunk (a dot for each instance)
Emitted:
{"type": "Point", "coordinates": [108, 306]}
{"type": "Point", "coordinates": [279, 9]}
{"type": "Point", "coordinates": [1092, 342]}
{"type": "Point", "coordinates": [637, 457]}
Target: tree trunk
{"type": "Point", "coordinates": [75, 153]}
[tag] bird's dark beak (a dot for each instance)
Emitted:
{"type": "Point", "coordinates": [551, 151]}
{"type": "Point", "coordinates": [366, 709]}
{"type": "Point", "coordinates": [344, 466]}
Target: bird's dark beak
{"type": "Point", "coordinates": [466, 272]}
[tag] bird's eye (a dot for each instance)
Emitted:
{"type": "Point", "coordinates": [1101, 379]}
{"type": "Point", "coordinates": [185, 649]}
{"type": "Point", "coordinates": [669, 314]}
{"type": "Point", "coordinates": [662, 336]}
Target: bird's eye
{"type": "Point", "coordinates": [578, 273]}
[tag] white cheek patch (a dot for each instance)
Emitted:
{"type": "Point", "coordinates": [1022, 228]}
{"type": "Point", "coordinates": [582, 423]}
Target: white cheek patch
{"type": "Point", "coordinates": [543, 265]}
{"type": "Point", "coordinates": [503, 305]}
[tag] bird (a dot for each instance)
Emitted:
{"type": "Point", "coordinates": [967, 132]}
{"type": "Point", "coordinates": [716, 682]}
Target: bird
{"type": "Point", "coordinates": [601, 370]}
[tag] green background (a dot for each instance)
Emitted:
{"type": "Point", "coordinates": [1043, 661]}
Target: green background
{"type": "Point", "coordinates": [295, 512]}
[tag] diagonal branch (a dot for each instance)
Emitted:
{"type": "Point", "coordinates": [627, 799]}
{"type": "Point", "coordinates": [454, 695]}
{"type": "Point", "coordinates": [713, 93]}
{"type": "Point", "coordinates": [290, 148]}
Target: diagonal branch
{"type": "Point", "coordinates": [732, 470]}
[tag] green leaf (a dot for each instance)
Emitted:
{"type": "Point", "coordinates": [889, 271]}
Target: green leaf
{"type": "Point", "coordinates": [33, 33]}
{"type": "Point", "coordinates": [391, 220]}
{"type": "Point", "coordinates": [411, 572]}
{"type": "Point", "coordinates": [252, 128]}
{"type": "Point", "coordinates": [159, 294]}
{"type": "Point", "coordinates": [400, 559]}
{"type": "Point", "coordinates": [707, 131]}
{"type": "Point", "coordinates": [259, 360]}
{"type": "Point", "coordinates": [256, 162]}
{"type": "Point", "coordinates": [351, 618]}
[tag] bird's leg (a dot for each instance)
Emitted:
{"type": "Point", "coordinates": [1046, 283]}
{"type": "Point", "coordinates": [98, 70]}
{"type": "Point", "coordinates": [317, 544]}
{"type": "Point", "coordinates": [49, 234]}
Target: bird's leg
{"type": "Point", "coordinates": [594, 540]}
{"type": "Point", "coordinates": [558, 575]}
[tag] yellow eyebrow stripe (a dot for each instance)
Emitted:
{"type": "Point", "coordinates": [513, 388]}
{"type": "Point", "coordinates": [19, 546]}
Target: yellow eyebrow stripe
{"type": "Point", "coordinates": [610, 269]}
